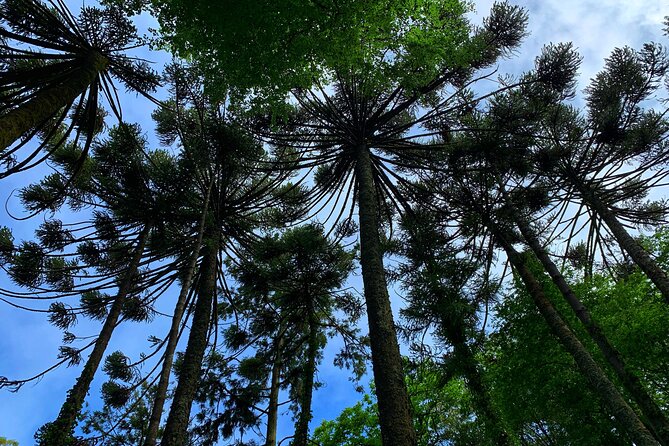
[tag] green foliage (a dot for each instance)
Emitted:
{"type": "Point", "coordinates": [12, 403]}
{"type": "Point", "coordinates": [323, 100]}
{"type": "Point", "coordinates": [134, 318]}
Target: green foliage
{"type": "Point", "coordinates": [121, 426]}
{"type": "Point", "coordinates": [356, 425]}
{"type": "Point", "coordinates": [117, 366]}
{"type": "Point", "coordinates": [114, 394]}
{"type": "Point", "coordinates": [61, 315]}
{"type": "Point", "coordinates": [6, 244]}
{"type": "Point", "coordinates": [534, 380]}
{"type": "Point", "coordinates": [273, 46]}
{"type": "Point", "coordinates": [27, 265]}
{"type": "Point", "coordinates": [94, 304]}
{"type": "Point", "coordinates": [52, 235]}
{"type": "Point", "coordinates": [443, 414]}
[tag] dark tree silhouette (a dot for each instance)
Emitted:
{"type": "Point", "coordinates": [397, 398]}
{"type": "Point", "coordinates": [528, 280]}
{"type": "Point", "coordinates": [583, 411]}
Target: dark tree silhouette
{"type": "Point", "coordinates": [55, 64]}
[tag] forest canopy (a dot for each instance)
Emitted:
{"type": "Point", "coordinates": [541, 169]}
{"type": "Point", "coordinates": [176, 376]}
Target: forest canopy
{"type": "Point", "coordinates": [395, 193]}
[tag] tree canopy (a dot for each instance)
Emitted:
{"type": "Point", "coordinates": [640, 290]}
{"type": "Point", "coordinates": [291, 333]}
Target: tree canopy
{"type": "Point", "coordinates": [313, 162]}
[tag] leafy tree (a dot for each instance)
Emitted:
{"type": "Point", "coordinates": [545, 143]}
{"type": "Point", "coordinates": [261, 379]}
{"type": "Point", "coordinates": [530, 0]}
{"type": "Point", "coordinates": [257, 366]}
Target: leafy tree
{"type": "Point", "coordinates": [295, 278]}
{"type": "Point", "coordinates": [359, 137]}
{"type": "Point", "coordinates": [543, 395]}
{"type": "Point", "coordinates": [555, 406]}
{"type": "Point", "coordinates": [443, 414]}
{"type": "Point", "coordinates": [294, 43]}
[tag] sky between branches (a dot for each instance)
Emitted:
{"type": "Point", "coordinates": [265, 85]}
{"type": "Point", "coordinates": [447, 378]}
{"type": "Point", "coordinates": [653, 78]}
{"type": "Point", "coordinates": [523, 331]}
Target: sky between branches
{"type": "Point", "coordinates": [29, 344]}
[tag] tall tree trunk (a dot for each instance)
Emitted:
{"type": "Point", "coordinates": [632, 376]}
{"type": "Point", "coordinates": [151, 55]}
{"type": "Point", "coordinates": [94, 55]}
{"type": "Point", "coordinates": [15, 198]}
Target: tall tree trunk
{"type": "Point", "coordinates": [632, 247]}
{"type": "Point", "coordinates": [596, 377]}
{"type": "Point", "coordinates": [60, 431]}
{"type": "Point", "coordinates": [275, 381]}
{"type": "Point", "coordinates": [50, 100]}
{"type": "Point", "coordinates": [176, 427]}
{"type": "Point", "coordinates": [302, 425]}
{"type": "Point", "coordinates": [393, 399]}
{"type": "Point", "coordinates": [173, 336]}
{"type": "Point", "coordinates": [650, 409]}
{"type": "Point", "coordinates": [455, 332]}
{"type": "Point", "coordinates": [455, 329]}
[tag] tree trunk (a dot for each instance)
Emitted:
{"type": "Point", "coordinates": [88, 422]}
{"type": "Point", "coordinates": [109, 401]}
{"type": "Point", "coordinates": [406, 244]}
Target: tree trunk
{"type": "Point", "coordinates": [273, 405]}
{"type": "Point", "coordinates": [455, 330]}
{"type": "Point", "coordinates": [632, 247]}
{"type": "Point", "coordinates": [176, 427]}
{"type": "Point", "coordinates": [60, 431]}
{"type": "Point", "coordinates": [455, 333]}
{"type": "Point", "coordinates": [302, 425]}
{"type": "Point", "coordinates": [393, 398]}
{"type": "Point", "coordinates": [50, 100]}
{"type": "Point", "coordinates": [631, 382]}
{"type": "Point", "coordinates": [596, 377]}
{"type": "Point", "coordinates": [173, 336]}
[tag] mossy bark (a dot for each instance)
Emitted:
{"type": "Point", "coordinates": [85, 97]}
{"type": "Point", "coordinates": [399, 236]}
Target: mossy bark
{"type": "Point", "coordinates": [176, 426]}
{"type": "Point", "coordinates": [173, 336]}
{"type": "Point", "coordinates": [50, 100]}
{"type": "Point", "coordinates": [593, 373]}
{"type": "Point", "coordinates": [393, 399]}
{"type": "Point", "coordinates": [273, 404]}
{"type": "Point", "coordinates": [60, 431]}
{"type": "Point", "coordinates": [649, 408]}
{"type": "Point", "coordinates": [302, 425]}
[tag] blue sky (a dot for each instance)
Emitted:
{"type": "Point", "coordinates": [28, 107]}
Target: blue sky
{"type": "Point", "coordinates": [28, 343]}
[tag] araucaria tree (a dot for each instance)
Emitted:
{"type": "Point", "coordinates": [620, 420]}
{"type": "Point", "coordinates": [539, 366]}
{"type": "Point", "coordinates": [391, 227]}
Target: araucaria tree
{"type": "Point", "coordinates": [517, 233]}
{"type": "Point", "coordinates": [359, 138]}
{"type": "Point", "coordinates": [297, 278]}
{"type": "Point", "coordinates": [55, 64]}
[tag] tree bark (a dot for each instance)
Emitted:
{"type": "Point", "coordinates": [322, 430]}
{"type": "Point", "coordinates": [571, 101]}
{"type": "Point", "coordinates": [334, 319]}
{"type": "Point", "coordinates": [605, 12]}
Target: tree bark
{"type": "Point", "coordinates": [176, 427]}
{"type": "Point", "coordinates": [302, 425]}
{"type": "Point", "coordinates": [595, 376]}
{"type": "Point", "coordinates": [456, 335]}
{"type": "Point", "coordinates": [393, 399]}
{"type": "Point", "coordinates": [50, 100]}
{"type": "Point", "coordinates": [632, 247]}
{"type": "Point", "coordinates": [60, 431]}
{"type": "Point", "coordinates": [273, 404]}
{"type": "Point", "coordinates": [649, 408]}
{"type": "Point", "coordinates": [173, 336]}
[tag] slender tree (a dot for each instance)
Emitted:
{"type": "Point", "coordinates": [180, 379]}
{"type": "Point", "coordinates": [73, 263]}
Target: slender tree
{"type": "Point", "coordinates": [583, 153]}
{"type": "Point", "coordinates": [217, 151]}
{"type": "Point", "coordinates": [445, 295]}
{"type": "Point", "coordinates": [120, 184]}
{"type": "Point", "coordinates": [173, 336]}
{"type": "Point", "coordinates": [627, 377]}
{"type": "Point", "coordinates": [283, 311]}
{"type": "Point", "coordinates": [302, 271]}
{"type": "Point", "coordinates": [478, 196]}
{"type": "Point", "coordinates": [359, 138]}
